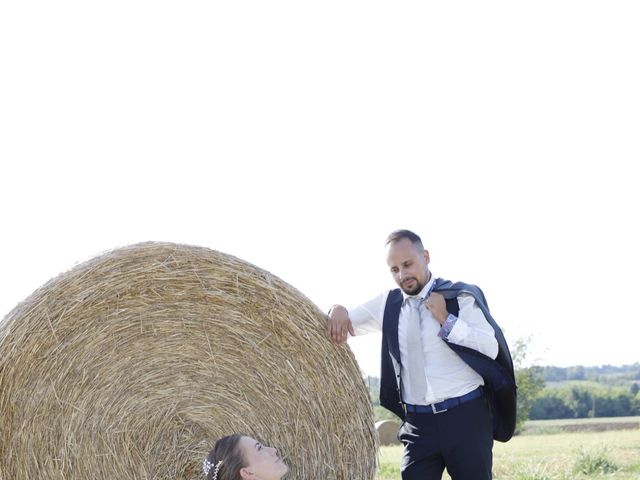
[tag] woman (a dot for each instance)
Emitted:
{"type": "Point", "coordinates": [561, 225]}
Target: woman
{"type": "Point", "coordinates": [238, 457]}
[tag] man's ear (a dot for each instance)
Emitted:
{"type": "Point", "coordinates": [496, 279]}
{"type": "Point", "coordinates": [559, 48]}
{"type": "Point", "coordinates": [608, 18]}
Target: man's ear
{"type": "Point", "coordinates": [246, 474]}
{"type": "Point", "coordinates": [426, 256]}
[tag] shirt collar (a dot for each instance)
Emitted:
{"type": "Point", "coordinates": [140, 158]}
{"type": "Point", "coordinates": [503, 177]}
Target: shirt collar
{"type": "Point", "coordinates": [423, 293]}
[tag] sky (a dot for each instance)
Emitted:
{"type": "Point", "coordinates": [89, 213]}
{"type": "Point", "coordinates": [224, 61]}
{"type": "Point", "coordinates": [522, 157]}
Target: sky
{"type": "Point", "coordinates": [297, 135]}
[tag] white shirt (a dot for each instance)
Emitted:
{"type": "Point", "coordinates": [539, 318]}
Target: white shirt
{"type": "Point", "coordinates": [446, 373]}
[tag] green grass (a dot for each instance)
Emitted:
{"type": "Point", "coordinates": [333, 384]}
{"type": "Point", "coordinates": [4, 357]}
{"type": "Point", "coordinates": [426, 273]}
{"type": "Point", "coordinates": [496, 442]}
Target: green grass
{"type": "Point", "coordinates": [610, 455]}
{"type": "Point", "coordinates": [594, 462]}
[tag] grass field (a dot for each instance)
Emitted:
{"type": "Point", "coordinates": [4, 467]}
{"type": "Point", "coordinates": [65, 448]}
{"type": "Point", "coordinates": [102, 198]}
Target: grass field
{"type": "Point", "coordinates": [610, 454]}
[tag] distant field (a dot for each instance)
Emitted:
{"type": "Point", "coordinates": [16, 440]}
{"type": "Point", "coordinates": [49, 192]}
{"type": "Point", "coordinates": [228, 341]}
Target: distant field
{"type": "Point", "coordinates": [610, 455]}
{"type": "Point", "coordinates": [581, 425]}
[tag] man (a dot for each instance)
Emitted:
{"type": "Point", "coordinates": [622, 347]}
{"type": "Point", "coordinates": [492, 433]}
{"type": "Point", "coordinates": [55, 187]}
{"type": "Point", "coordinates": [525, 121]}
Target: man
{"type": "Point", "coordinates": [439, 345]}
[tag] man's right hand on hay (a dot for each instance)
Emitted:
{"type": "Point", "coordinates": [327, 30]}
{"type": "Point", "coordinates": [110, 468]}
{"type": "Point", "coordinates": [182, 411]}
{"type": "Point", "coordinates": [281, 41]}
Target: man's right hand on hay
{"type": "Point", "coordinates": [339, 325]}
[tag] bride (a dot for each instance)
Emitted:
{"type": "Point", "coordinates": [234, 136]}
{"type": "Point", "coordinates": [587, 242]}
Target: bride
{"type": "Point", "coordinates": [238, 457]}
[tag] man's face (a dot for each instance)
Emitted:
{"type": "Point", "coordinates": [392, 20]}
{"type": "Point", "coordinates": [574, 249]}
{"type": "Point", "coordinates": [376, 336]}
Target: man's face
{"type": "Point", "coordinates": [409, 265]}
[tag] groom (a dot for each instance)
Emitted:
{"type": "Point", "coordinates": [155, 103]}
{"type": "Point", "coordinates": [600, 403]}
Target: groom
{"type": "Point", "coordinates": [439, 368]}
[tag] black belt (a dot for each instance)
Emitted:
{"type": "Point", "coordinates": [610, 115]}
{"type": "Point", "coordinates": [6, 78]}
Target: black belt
{"type": "Point", "coordinates": [445, 405]}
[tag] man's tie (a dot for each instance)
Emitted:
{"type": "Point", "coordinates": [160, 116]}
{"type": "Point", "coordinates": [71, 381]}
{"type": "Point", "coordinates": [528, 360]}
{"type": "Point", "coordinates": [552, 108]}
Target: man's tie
{"type": "Point", "coordinates": [415, 368]}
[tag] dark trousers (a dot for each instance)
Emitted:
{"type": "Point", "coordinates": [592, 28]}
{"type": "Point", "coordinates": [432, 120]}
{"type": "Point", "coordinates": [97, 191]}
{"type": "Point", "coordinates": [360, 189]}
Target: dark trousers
{"type": "Point", "coordinates": [460, 439]}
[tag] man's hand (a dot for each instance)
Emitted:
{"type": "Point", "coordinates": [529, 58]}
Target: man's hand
{"type": "Point", "coordinates": [437, 306]}
{"type": "Point", "coordinates": [338, 324]}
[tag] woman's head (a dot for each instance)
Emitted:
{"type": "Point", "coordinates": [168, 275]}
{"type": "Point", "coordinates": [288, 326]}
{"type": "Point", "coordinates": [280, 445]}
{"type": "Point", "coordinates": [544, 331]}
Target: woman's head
{"type": "Point", "coordinates": [238, 457]}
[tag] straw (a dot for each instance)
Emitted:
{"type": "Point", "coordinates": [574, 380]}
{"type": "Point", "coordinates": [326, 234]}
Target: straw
{"type": "Point", "coordinates": [388, 432]}
{"type": "Point", "coordinates": [131, 364]}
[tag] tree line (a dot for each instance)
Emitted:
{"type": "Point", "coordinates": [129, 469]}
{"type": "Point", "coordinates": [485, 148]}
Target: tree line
{"type": "Point", "coordinates": [606, 374]}
{"type": "Point", "coordinates": [587, 392]}
{"type": "Point", "coordinates": [585, 401]}
{"type": "Point", "coordinates": [561, 392]}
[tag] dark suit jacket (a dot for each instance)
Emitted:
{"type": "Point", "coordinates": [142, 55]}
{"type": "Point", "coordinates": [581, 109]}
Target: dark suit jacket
{"type": "Point", "coordinates": [498, 374]}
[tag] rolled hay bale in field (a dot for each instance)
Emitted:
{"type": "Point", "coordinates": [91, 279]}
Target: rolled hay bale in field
{"type": "Point", "coordinates": [131, 364]}
{"type": "Point", "coordinates": [388, 432]}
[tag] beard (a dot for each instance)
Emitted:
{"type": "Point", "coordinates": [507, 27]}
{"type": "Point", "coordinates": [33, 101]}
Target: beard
{"type": "Point", "coordinates": [414, 290]}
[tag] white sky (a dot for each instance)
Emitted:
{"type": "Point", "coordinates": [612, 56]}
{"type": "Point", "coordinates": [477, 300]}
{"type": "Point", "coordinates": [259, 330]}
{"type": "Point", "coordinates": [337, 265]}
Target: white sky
{"type": "Point", "coordinates": [296, 135]}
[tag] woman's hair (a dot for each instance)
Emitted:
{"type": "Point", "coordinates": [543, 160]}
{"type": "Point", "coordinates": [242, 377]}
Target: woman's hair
{"type": "Point", "coordinates": [225, 459]}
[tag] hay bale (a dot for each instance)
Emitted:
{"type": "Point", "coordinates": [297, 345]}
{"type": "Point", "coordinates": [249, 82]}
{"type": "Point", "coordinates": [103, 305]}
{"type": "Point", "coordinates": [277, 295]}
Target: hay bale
{"type": "Point", "coordinates": [129, 365]}
{"type": "Point", "coordinates": [388, 432]}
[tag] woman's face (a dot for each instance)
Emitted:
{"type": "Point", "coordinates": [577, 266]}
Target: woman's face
{"type": "Point", "coordinates": [263, 463]}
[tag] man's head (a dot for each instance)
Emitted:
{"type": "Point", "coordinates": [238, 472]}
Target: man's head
{"type": "Point", "coordinates": [408, 261]}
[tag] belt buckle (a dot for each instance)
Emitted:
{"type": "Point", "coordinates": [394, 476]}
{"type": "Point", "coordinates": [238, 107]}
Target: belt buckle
{"type": "Point", "coordinates": [435, 411]}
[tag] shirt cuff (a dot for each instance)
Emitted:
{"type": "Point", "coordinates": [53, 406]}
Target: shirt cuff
{"type": "Point", "coordinates": [447, 326]}
{"type": "Point", "coordinates": [459, 330]}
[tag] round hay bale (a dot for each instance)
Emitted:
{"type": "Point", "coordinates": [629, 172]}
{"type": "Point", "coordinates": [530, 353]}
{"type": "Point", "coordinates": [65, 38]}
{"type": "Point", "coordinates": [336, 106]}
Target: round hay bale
{"type": "Point", "coordinates": [388, 432]}
{"type": "Point", "coordinates": [131, 364]}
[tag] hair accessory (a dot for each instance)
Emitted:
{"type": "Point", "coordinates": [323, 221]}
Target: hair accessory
{"type": "Point", "coordinates": [207, 465]}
